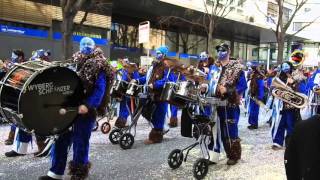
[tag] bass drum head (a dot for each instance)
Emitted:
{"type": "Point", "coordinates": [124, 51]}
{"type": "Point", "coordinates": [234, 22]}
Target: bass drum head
{"type": "Point", "coordinates": [51, 90]}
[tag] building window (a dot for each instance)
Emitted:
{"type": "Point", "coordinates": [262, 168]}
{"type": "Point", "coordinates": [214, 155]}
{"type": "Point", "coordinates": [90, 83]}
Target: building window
{"type": "Point", "coordinates": [272, 9]}
{"type": "Point", "coordinates": [286, 15]}
{"type": "Point", "coordinates": [307, 9]}
{"type": "Point", "coordinates": [297, 26]}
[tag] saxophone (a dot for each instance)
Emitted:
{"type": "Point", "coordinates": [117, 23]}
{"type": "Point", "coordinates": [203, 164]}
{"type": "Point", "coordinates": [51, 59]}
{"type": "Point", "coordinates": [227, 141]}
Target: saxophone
{"type": "Point", "coordinates": [285, 93]}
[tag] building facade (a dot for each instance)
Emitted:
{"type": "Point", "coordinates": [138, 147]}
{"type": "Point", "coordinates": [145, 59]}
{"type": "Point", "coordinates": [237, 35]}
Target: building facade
{"type": "Point", "coordinates": [247, 27]}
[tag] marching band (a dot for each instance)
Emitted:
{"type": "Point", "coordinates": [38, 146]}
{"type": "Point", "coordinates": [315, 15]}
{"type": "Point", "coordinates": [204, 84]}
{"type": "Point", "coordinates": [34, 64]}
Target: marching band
{"type": "Point", "coordinates": [210, 96]}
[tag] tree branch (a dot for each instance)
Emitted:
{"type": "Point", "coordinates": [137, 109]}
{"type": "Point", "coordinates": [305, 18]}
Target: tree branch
{"type": "Point", "coordinates": [305, 26]}
{"type": "Point", "coordinates": [84, 18]}
{"type": "Point", "coordinates": [195, 44]}
{"type": "Point", "coordinates": [298, 7]}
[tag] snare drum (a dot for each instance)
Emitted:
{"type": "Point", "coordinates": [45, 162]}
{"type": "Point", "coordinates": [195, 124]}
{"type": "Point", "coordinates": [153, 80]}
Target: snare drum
{"type": "Point", "coordinates": [134, 89]}
{"type": "Point", "coordinates": [118, 88]}
{"type": "Point", "coordinates": [32, 94]}
{"type": "Point", "coordinates": [179, 94]}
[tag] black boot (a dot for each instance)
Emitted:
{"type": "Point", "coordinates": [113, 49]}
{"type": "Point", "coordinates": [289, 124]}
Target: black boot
{"type": "Point", "coordinates": [12, 154]}
{"type": "Point", "coordinates": [79, 171]}
{"type": "Point", "coordinates": [287, 141]}
{"type": "Point", "coordinates": [46, 178]}
{"type": "Point", "coordinates": [251, 127]}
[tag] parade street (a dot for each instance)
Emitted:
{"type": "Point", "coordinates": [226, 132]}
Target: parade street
{"type": "Point", "coordinates": [259, 161]}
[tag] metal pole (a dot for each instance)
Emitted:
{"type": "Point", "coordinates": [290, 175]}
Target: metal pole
{"type": "Point", "coordinates": [268, 57]}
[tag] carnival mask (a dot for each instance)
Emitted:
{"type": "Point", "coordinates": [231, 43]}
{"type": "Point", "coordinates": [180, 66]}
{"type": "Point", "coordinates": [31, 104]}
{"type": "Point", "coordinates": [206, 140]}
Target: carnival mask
{"type": "Point", "coordinates": [285, 67]}
{"type": "Point", "coordinates": [87, 45]}
{"type": "Point", "coordinates": [222, 55]}
{"type": "Point", "coordinates": [159, 55]}
{"type": "Point", "coordinates": [14, 57]}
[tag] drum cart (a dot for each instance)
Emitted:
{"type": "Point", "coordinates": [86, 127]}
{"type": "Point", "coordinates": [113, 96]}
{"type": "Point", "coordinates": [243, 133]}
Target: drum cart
{"type": "Point", "coordinates": [202, 132]}
{"type": "Point", "coordinates": [125, 136]}
{"type": "Point", "coordinates": [110, 113]}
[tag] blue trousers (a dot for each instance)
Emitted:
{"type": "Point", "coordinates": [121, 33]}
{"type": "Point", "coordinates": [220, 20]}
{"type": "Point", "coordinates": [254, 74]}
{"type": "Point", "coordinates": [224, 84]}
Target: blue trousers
{"type": "Point", "coordinates": [229, 118]}
{"type": "Point", "coordinates": [12, 128]}
{"type": "Point", "coordinates": [286, 123]}
{"type": "Point", "coordinates": [124, 112]}
{"type": "Point", "coordinates": [174, 111]}
{"type": "Point", "coordinates": [79, 137]}
{"type": "Point", "coordinates": [253, 113]}
{"type": "Point", "coordinates": [23, 136]}
{"type": "Point", "coordinates": [159, 115]}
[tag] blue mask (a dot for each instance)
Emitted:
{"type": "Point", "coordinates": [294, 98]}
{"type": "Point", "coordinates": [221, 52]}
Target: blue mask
{"type": "Point", "coordinates": [222, 55]}
{"type": "Point", "coordinates": [86, 50]}
{"type": "Point", "coordinates": [285, 67]}
{"type": "Point", "coordinates": [159, 56]}
{"type": "Point", "coordinates": [14, 58]}
{"type": "Point", "coordinates": [87, 45]}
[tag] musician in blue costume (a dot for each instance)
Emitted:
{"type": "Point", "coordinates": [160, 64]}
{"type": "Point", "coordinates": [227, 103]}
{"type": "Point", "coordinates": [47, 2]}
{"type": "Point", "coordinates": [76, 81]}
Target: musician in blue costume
{"type": "Point", "coordinates": [314, 95]}
{"type": "Point", "coordinates": [284, 115]}
{"type": "Point", "coordinates": [127, 75]}
{"type": "Point", "coordinates": [256, 93]}
{"type": "Point", "coordinates": [23, 139]}
{"type": "Point", "coordinates": [96, 74]}
{"type": "Point", "coordinates": [231, 84]}
{"type": "Point", "coordinates": [158, 74]}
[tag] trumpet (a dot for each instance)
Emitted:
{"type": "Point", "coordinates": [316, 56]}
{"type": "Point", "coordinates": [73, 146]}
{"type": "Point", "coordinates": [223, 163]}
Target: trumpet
{"type": "Point", "coordinates": [285, 93]}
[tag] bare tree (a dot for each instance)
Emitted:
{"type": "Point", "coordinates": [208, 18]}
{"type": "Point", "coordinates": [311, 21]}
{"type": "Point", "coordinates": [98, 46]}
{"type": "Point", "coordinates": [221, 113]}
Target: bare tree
{"type": "Point", "coordinates": [283, 24]}
{"type": "Point", "coordinates": [182, 37]}
{"type": "Point", "coordinates": [214, 12]}
{"type": "Point", "coordinates": [70, 8]}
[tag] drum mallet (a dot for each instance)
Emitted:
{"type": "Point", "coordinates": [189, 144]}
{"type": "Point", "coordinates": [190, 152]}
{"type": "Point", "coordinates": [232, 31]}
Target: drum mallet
{"type": "Point", "coordinates": [64, 111]}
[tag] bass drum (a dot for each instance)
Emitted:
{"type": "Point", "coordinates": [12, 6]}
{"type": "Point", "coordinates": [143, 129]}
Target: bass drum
{"type": "Point", "coordinates": [40, 97]}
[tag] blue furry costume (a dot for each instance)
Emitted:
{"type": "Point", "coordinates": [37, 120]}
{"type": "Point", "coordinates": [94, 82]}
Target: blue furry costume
{"type": "Point", "coordinates": [95, 74]}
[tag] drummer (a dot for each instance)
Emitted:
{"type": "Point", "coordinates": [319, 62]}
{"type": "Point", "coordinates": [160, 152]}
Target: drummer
{"type": "Point", "coordinates": [95, 75]}
{"type": "Point", "coordinates": [20, 143]}
{"type": "Point", "coordinates": [41, 54]}
{"type": "Point", "coordinates": [156, 77]}
{"type": "Point", "coordinates": [129, 72]}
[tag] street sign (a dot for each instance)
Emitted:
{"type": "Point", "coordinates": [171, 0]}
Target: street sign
{"type": "Point", "coordinates": [144, 32]}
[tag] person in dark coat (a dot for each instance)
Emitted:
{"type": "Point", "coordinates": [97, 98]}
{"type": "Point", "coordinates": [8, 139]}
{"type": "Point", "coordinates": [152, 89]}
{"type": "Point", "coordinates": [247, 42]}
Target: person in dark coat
{"type": "Point", "coordinates": [302, 156]}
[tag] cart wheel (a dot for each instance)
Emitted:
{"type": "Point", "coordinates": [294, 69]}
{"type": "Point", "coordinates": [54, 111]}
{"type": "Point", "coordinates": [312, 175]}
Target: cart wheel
{"type": "Point", "coordinates": [114, 136]}
{"type": "Point", "coordinates": [126, 141]}
{"type": "Point", "coordinates": [200, 168]}
{"type": "Point", "coordinates": [175, 159]}
{"type": "Point", "coordinates": [105, 128]}
{"type": "Point", "coordinates": [95, 126]}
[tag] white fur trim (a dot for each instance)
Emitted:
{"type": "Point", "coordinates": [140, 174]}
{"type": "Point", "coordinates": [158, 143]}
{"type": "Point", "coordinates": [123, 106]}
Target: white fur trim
{"type": "Point", "coordinates": [275, 144]}
{"type": "Point", "coordinates": [214, 156]}
{"type": "Point", "coordinates": [20, 147]}
{"type": "Point", "coordinates": [54, 176]}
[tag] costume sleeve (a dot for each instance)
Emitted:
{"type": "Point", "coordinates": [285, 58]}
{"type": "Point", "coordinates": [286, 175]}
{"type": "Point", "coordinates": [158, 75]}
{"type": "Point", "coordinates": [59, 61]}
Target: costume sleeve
{"type": "Point", "coordinates": [124, 74]}
{"type": "Point", "coordinates": [135, 75]}
{"type": "Point", "coordinates": [166, 78]}
{"type": "Point", "coordinates": [94, 100]}
{"type": "Point", "coordinates": [142, 80]}
{"type": "Point", "coordinates": [183, 77]}
{"type": "Point", "coordinates": [260, 84]}
{"type": "Point", "coordinates": [242, 83]}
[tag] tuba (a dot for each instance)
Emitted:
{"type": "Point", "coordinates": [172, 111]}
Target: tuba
{"type": "Point", "coordinates": [285, 93]}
